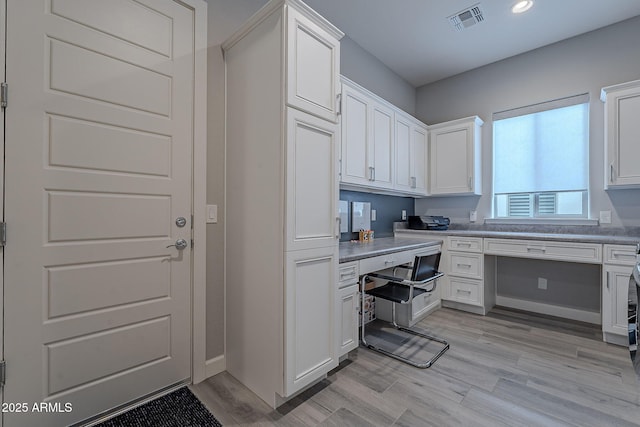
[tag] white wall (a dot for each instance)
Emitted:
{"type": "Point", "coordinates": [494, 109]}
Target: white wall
{"type": "Point", "coordinates": [579, 65]}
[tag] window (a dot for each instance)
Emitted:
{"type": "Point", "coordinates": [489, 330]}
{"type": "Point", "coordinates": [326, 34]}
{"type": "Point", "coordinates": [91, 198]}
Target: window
{"type": "Point", "coordinates": [541, 160]}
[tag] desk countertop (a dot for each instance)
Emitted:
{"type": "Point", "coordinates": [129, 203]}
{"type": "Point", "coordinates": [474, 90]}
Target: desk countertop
{"type": "Point", "coordinates": [354, 251]}
{"type": "Point", "coordinates": [578, 238]}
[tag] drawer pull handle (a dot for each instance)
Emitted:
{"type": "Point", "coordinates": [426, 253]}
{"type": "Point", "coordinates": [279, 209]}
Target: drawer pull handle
{"type": "Point", "coordinates": [463, 291]}
{"type": "Point", "coordinates": [464, 265]}
{"type": "Point", "coordinates": [531, 248]}
{"type": "Point", "coordinates": [464, 244]}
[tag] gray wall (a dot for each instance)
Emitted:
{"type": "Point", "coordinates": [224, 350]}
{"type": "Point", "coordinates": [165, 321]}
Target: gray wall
{"type": "Point", "coordinates": [388, 210]}
{"type": "Point", "coordinates": [225, 17]}
{"type": "Point", "coordinates": [579, 65]}
{"type": "Point", "coordinates": [365, 69]}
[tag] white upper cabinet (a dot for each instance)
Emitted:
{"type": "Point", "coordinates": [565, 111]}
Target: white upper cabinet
{"type": "Point", "coordinates": [368, 138]}
{"type": "Point", "coordinates": [622, 127]}
{"type": "Point", "coordinates": [382, 138]}
{"type": "Point", "coordinates": [455, 157]}
{"type": "Point", "coordinates": [313, 66]}
{"type": "Point", "coordinates": [384, 149]}
{"type": "Point", "coordinates": [356, 108]}
{"type": "Point", "coordinates": [411, 155]}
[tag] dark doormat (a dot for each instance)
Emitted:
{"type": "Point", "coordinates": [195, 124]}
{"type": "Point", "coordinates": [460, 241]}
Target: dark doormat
{"type": "Point", "coordinates": [177, 409]}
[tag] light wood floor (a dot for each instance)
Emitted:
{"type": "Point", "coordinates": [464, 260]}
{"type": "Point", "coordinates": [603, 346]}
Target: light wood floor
{"type": "Point", "coordinates": [506, 369]}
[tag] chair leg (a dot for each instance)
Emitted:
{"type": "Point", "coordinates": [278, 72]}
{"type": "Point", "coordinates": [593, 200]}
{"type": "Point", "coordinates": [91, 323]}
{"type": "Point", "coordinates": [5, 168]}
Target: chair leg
{"type": "Point", "coordinates": [417, 364]}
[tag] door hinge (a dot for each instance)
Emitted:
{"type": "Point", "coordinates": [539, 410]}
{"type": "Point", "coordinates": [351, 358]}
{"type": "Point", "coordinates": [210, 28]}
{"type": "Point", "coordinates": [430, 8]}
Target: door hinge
{"type": "Point", "coordinates": [3, 369]}
{"type": "Point", "coordinates": [3, 233]}
{"type": "Point", "coordinates": [4, 94]}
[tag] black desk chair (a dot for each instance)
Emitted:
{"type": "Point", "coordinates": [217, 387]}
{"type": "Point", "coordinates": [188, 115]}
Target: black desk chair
{"type": "Point", "coordinates": [402, 291]}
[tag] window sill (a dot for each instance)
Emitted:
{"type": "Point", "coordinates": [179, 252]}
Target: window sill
{"type": "Point", "coordinates": [543, 221]}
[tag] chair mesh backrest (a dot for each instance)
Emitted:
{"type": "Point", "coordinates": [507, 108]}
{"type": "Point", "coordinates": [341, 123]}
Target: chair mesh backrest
{"type": "Point", "coordinates": [425, 267]}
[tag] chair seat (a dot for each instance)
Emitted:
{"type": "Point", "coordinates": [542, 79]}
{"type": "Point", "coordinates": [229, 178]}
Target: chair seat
{"type": "Point", "coordinates": [395, 292]}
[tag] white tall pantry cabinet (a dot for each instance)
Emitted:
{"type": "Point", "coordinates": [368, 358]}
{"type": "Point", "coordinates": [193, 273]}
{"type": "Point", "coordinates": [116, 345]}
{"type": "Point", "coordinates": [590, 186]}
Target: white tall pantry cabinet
{"type": "Point", "coordinates": [282, 142]}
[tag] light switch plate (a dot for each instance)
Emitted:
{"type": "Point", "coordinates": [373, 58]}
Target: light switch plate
{"type": "Point", "coordinates": [212, 214]}
{"type": "Point", "coordinates": [373, 215]}
{"type": "Point", "coordinates": [473, 216]}
{"type": "Point", "coordinates": [605, 217]}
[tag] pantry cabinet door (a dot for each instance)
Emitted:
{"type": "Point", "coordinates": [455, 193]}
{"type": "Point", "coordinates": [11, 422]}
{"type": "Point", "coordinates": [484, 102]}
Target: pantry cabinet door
{"type": "Point", "coordinates": [309, 319]}
{"type": "Point", "coordinates": [311, 182]}
{"type": "Point", "coordinates": [313, 67]}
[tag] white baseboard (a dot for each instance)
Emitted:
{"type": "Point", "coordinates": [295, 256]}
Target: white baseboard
{"type": "Point", "coordinates": [551, 310]}
{"type": "Point", "coordinates": [215, 366]}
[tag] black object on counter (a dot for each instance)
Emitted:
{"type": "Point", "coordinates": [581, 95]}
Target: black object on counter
{"type": "Point", "coordinates": [428, 222]}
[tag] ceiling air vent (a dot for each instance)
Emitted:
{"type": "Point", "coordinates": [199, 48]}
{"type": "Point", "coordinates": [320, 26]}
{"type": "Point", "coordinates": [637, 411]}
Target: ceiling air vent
{"type": "Point", "coordinates": [467, 17]}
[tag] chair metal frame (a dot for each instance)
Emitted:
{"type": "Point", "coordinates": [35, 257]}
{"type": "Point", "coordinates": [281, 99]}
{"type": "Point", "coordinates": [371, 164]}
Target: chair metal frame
{"type": "Point", "coordinates": [411, 284]}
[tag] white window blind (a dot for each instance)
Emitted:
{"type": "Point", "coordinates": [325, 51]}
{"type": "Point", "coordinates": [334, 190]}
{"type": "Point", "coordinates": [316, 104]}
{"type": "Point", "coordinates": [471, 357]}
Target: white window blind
{"type": "Point", "coordinates": [541, 159]}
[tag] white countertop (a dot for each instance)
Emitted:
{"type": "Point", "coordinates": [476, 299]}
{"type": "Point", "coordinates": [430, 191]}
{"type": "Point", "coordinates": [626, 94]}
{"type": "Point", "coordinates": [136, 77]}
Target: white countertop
{"type": "Point", "coordinates": [354, 251]}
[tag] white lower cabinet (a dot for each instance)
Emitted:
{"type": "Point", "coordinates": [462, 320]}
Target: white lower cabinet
{"type": "Point", "coordinates": [468, 282]}
{"type": "Point", "coordinates": [347, 319]}
{"type": "Point", "coordinates": [310, 344]}
{"type": "Point", "coordinates": [616, 272]}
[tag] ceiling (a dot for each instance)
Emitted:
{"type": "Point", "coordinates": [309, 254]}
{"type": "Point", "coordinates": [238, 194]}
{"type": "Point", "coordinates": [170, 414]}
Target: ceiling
{"type": "Point", "coordinates": [415, 39]}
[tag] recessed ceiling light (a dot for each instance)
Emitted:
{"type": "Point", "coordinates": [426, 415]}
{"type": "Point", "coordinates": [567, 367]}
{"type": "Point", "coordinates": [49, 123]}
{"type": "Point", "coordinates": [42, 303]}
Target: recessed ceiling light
{"type": "Point", "coordinates": [522, 6]}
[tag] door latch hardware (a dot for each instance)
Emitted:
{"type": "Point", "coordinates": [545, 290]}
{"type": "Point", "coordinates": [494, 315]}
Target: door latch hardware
{"type": "Point", "coordinates": [181, 221]}
{"type": "Point", "coordinates": [3, 372]}
{"type": "Point", "coordinates": [3, 233]}
{"type": "Point", "coordinates": [180, 244]}
{"type": "Point", "coordinates": [4, 94]}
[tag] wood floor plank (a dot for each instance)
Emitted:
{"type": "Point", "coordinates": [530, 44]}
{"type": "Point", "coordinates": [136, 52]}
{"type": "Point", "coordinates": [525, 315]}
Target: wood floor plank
{"type": "Point", "coordinates": [507, 412]}
{"type": "Point", "coordinates": [565, 410]}
{"type": "Point", "coordinates": [507, 368]}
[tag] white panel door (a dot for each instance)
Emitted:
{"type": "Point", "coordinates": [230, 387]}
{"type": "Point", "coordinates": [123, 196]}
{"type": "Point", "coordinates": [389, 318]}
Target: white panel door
{"type": "Point", "coordinates": [347, 319]}
{"type": "Point", "coordinates": [451, 166]}
{"type": "Point", "coordinates": [419, 141]}
{"type": "Point", "coordinates": [313, 67]}
{"type": "Point", "coordinates": [404, 161]}
{"type": "Point", "coordinates": [99, 153]}
{"type": "Point", "coordinates": [383, 145]}
{"type": "Point", "coordinates": [615, 295]}
{"type": "Point", "coordinates": [356, 166]}
{"type": "Point", "coordinates": [311, 181]}
{"type": "Point", "coordinates": [310, 299]}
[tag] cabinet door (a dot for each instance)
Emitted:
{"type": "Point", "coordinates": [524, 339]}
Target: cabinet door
{"type": "Point", "coordinates": [451, 163]}
{"type": "Point", "coordinates": [404, 161]}
{"type": "Point", "coordinates": [309, 317]}
{"type": "Point", "coordinates": [623, 149]}
{"type": "Point", "coordinates": [355, 137]}
{"type": "Point", "coordinates": [347, 318]}
{"type": "Point", "coordinates": [382, 140]}
{"type": "Point", "coordinates": [419, 159]}
{"type": "Point", "coordinates": [455, 157]}
{"type": "Point", "coordinates": [615, 294]}
{"type": "Point", "coordinates": [313, 67]}
{"type": "Point", "coordinates": [311, 181]}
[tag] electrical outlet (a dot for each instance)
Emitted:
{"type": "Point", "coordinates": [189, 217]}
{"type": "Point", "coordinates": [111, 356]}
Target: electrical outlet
{"type": "Point", "coordinates": [605, 217]}
{"type": "Point", "coordinates": [404, 215]}
{"type": "Point", "coordinates": [374, 215]}
{"type": "Point", "coordinates": [473, 216]}
{"type": "Point", "coordinates": [542, 283]}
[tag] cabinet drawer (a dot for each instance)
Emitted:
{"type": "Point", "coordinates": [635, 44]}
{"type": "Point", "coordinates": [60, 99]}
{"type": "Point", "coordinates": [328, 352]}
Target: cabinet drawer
{"type": "Point", "coordinates": [466, 265]}
{"type": "Point", "coordinates": [543, 249]}
{"type": "Point", "coordinates": [369, 265]}
{"type": "Point", "coordinates": [466, 244]}
{"type": "Point", "coordinates": [620, 254]}
{"type": "Point", "coordinates": [466, 291]}
{"type": "Point", "coordinates": [347, 274]}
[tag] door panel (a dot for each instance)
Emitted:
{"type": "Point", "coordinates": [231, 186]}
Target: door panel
{"type": "Point", "coordinates": [100, 142]}
{"type": "Point", "coordinates": [312, 145]}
